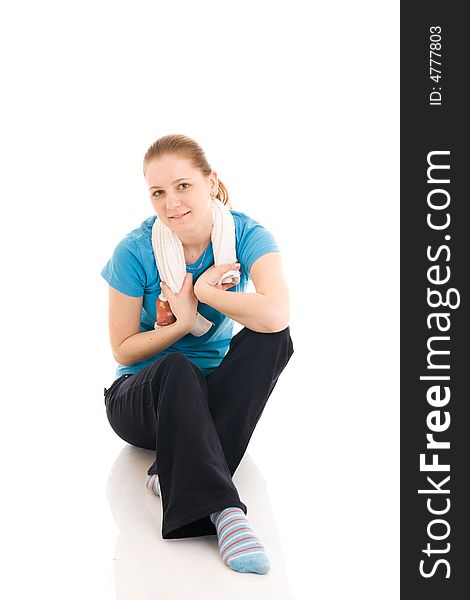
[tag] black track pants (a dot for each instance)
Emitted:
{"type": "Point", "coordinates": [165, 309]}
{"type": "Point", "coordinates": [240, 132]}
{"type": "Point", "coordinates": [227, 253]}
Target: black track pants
{"type": "Point", "coordinates": [198, 425]}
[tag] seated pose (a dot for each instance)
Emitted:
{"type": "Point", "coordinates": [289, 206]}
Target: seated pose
{"type": "Point", "coordinates": [185, 386]}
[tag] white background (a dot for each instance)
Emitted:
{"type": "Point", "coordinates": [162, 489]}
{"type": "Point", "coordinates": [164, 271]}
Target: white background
{"type": "Point", "coordinates": [297, 107]}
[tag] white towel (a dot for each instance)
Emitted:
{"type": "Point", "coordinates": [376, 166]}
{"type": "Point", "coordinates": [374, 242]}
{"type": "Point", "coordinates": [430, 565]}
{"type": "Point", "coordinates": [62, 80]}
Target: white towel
{"type": "Point", "coordinates": [171, 264]}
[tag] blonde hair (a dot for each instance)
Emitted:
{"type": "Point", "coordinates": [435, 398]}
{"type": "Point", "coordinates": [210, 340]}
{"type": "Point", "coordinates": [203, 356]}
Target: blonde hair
{"type": "Point", "coordinates": [185, 147]}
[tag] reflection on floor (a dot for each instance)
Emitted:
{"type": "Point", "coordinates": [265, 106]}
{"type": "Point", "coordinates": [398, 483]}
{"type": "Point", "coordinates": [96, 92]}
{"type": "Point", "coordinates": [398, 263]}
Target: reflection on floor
{"type": "Point", "coordinates": [147, 566]}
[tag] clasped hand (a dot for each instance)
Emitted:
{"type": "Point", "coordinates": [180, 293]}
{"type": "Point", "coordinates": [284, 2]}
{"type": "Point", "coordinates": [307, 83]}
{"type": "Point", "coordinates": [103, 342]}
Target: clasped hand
{"type": "Point", "coordinates": [212, 276]}
{"type": "Point", "coordinates": [184, 303]}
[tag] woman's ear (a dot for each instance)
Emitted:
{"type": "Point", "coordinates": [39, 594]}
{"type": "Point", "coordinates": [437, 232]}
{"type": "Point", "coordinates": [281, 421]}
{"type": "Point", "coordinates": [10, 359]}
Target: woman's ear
{"type": "Point", "coordinates": [214, 184]}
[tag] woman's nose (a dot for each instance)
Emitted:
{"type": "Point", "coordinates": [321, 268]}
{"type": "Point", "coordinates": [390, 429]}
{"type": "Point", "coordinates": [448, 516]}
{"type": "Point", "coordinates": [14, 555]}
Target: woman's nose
{"type": "Point", "coordinates": [172, 202]}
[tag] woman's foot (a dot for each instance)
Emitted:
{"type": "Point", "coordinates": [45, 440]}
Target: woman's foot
{"type": "Point", "coordinates": [238, 546]}
{"type": "Point", "coordinates": [152, 483]}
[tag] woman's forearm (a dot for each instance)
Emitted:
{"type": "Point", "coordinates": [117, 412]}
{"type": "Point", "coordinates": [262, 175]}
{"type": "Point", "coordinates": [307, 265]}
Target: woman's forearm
{"type": "Point", "coordinates": [253, 310]}
{"type": "Point", "coordinates": [146, 344]}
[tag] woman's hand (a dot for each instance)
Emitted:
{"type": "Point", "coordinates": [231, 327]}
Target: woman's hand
{"type": "Point", "coordinates": [183, 304]}
{"type": "Point", "coordinates": [212, 276]}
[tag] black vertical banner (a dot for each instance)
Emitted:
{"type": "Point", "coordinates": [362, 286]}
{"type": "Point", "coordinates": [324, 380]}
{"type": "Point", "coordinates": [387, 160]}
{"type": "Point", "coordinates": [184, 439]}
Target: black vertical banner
{"type": "Point", "coordinates": [434, 302]}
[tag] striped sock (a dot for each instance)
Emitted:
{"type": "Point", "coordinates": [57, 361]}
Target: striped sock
{"type": "Point", "coordinates": [239, 547]}
{"type": "Point", "coordinates": [152, 484]}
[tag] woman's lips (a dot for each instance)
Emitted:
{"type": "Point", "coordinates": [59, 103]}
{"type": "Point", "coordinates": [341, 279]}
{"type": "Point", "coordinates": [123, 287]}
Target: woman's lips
{"type": "Point", "coordinates": [180, 217]}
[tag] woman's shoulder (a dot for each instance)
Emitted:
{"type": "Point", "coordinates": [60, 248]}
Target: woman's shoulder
{"type": "Point", "coordinates": [239, 216]}
{"type": "Point", "coordinates": [137, 244]}
{"type": "Point", "coordinates": [252, 239]}
{"type": "Point", "coordinates": [245, 224]}
{"type": "Point", "coordinates": [242, 220]}
{"type": "Point", "coordinates": [142, 233]}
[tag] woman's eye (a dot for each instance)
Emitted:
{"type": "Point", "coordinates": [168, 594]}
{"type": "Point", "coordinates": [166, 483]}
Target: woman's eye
{"type": "Point", "coordinates": [157, 192]}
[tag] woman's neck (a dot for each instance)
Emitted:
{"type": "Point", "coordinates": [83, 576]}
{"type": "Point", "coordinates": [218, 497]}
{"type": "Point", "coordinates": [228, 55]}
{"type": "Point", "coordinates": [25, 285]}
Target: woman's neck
{"type": "Point", "coordinates": [195, 242]}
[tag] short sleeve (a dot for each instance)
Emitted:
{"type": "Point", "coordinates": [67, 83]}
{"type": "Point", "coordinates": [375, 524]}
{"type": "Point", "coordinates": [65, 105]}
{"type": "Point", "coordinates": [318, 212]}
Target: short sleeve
{"type": "Point", "coordinates": [255, 241]}
{"type": "Point", "coordinates": [124, 271]}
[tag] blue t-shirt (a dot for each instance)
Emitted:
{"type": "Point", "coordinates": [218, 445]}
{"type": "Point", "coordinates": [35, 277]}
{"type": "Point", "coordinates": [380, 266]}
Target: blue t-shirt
{"type": "Point", "coordinates": [132, 270]}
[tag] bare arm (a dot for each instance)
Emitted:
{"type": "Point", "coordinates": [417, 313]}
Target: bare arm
{"type": "Point", "coordinates": [267, 310]}
{"type": "Point", "coordinates": [128, 343]}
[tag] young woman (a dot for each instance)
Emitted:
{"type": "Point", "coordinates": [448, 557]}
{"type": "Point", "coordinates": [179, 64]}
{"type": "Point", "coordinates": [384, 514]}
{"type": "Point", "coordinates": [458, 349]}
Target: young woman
{"type": "Point", "coordinates": [195, 398]}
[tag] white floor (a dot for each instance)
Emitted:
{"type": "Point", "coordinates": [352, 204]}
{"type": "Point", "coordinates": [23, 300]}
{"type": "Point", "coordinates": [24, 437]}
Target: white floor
{"type": "Point", "coordinates": [319, 484]}
{"type": "Point", "coordinates": [143, 565]}
{"type": "Point", "coordinates": [78, 521]}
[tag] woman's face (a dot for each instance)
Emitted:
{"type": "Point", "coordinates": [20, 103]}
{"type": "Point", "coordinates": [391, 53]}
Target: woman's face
{"type": "Point", "coordinates": [176, 188]}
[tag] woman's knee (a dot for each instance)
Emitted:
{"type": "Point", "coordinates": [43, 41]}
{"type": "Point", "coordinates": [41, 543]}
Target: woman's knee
{"type": "Point", "coordinates": [274, 339]}
{"type": "Point", "coordinates": [176, 364]}
{"type": "Point", "coordinates": [172, 359]}
{"type": "Point", "coordinates": [176, 358]}
{"type": "Point", "coordinates": [277, 346]}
